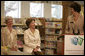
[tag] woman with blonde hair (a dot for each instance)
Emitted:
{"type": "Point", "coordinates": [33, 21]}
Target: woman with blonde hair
{"type": "Point", "coordinates": [9, 35]}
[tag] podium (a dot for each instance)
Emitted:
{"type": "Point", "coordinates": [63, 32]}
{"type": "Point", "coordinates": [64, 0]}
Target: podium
{"type": "Point", "coordinates": [70, 45]}
{"type": "Point", "coordinates": [73, 44]}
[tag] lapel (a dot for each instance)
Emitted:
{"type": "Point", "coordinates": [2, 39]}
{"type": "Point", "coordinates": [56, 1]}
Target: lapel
{"type": "Point", "coordinates": [13, 35]}
{"type": "Point", "coordinates": [31, 33]}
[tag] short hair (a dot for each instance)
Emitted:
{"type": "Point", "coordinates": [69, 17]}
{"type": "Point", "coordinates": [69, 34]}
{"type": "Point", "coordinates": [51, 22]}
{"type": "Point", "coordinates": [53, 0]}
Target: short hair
{"type": "Point", "coordinates": [28, 21]}
{"type": "Point", "coordinates": [76, 7]}
{"type": "Point", "coordinates": [7, 18]}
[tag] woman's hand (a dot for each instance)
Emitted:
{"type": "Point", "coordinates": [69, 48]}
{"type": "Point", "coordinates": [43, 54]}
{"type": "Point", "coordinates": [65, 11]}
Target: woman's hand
{"type": "Point", "coordinates": [35, 50]}
{"type": "Point", "coordinates": [14, 49]}
{"type": "Point", "coordinates": [38, 47]}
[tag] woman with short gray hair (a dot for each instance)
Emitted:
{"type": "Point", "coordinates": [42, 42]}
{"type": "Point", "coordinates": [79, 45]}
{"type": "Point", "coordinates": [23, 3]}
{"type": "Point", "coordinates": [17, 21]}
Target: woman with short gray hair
{"type": "Point", "coordinates": [9, 35]}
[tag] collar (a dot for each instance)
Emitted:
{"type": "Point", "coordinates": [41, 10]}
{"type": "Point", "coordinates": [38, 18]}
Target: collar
{"type": "Point", "coordinates": [30, 32]}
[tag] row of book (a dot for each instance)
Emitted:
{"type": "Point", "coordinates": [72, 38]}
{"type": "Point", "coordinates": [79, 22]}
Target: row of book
{"type": "Point", "coordinates": [53, 31]}
{"type": "Point", "coordinates": [51, 38]}
{"type": "Point", "coordinates": [53, 24]}
{"type": "Point", "coordinates": [50, 51]}
{"type": "Point", "coordinates": [50, 44]}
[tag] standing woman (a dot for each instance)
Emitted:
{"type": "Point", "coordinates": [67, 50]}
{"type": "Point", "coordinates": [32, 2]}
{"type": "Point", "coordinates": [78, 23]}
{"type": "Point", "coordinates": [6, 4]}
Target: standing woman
{"type": "Point", "coordinates": [31, 37]}
{"type": "Point", "coordinates": [9, 35]}
{"type": "Point", "coordinates": [75, 22]}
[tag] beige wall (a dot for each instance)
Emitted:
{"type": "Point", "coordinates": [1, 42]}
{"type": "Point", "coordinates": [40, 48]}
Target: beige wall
{"type": "Point", "coordinates": [47, 10]}
{"type": "Point", "coordinates": [2, 12]}
{"type": "Point", "coordinates": [25, 11]}
{"type": "Point", "coordinates": [2, 8]}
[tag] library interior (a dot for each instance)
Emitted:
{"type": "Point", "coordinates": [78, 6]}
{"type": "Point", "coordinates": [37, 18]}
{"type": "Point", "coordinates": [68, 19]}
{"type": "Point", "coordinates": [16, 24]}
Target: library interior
{"type": "Point", "coordinates": [42, 27]}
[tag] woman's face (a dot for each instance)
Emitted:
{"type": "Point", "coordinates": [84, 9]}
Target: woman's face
{"type": "Point", "coordinates": [32, 24]}
{"type": "Point", "coordinates": [72, 10]}
{"type": "Point", "coordinates": [10, 22]}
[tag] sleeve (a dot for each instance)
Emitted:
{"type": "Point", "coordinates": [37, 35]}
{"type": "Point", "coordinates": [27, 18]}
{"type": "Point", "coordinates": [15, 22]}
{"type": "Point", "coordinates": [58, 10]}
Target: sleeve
{"type": "Point", "coordinates": [67, 26]}
{"type": "Point", "coordinates": [2, 36]}
{"type": "Point", "coordinates": [16, 39]}
{"type": "Point", "coordinates": [83, 23]}
{"type": "Point", "coordinates": [39, 40]}
{"type": "Point", "coordinates": [27, 41]}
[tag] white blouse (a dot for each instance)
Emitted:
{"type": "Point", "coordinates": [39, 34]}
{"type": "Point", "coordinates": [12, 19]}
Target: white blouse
{"type": "Point", "coordinates": [76, 25]}
{"type": "Point", "coordinates": [8, 38]}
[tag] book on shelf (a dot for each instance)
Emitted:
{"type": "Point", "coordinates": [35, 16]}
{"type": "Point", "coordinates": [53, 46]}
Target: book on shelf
{"type": "Point", "coordinates": [17, 21]}
{"type": "Point", "coordinates": [50, 24]}
{"type": "Point", "coordinates": [58, 24]}
{"type": "Point", "coordinates": [51, 44]}
{"type": "Point", "coordinates": [53, 19]}
{"type": "Point", "coordinates": [50, 31]}
{"type": "Point", "coordinates": [49, 51]}
{"type": "Point", "coordinates": [38, 22]}
{"type": "Point", "coordinates": [53, 31]}
{"type": "Point", "coordinates": [51, 38]}
{"type": "Point", "coordinates": [53, 24]}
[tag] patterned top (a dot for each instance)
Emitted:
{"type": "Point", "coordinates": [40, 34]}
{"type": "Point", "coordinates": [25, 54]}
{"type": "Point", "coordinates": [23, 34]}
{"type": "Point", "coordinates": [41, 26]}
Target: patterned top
{"type": "Point", "coordinates": [8, 38]}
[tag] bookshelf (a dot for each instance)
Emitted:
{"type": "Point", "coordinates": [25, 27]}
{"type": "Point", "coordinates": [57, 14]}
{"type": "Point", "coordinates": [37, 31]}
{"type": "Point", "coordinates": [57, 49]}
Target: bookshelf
{"type": "Point", "coordinates": [52, 30]}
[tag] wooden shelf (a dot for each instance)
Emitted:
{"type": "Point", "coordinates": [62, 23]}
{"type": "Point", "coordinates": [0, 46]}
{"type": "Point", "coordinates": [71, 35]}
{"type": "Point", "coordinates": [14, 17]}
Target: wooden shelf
{"type": "Point", "coordinates": [14, 25]}
{"type": "Point", "coordinates": [53, 34]}
{"type": "Point", "coordinates": [51, 41]}
{"type": "Point", "coordinates": [55, 21]}
{"type": "Point", "coordinates": [53, 28]}
{"type": "Point", "coordinates": [21, 25]}
{"type": "Point", "coordinates": [50, 48]}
